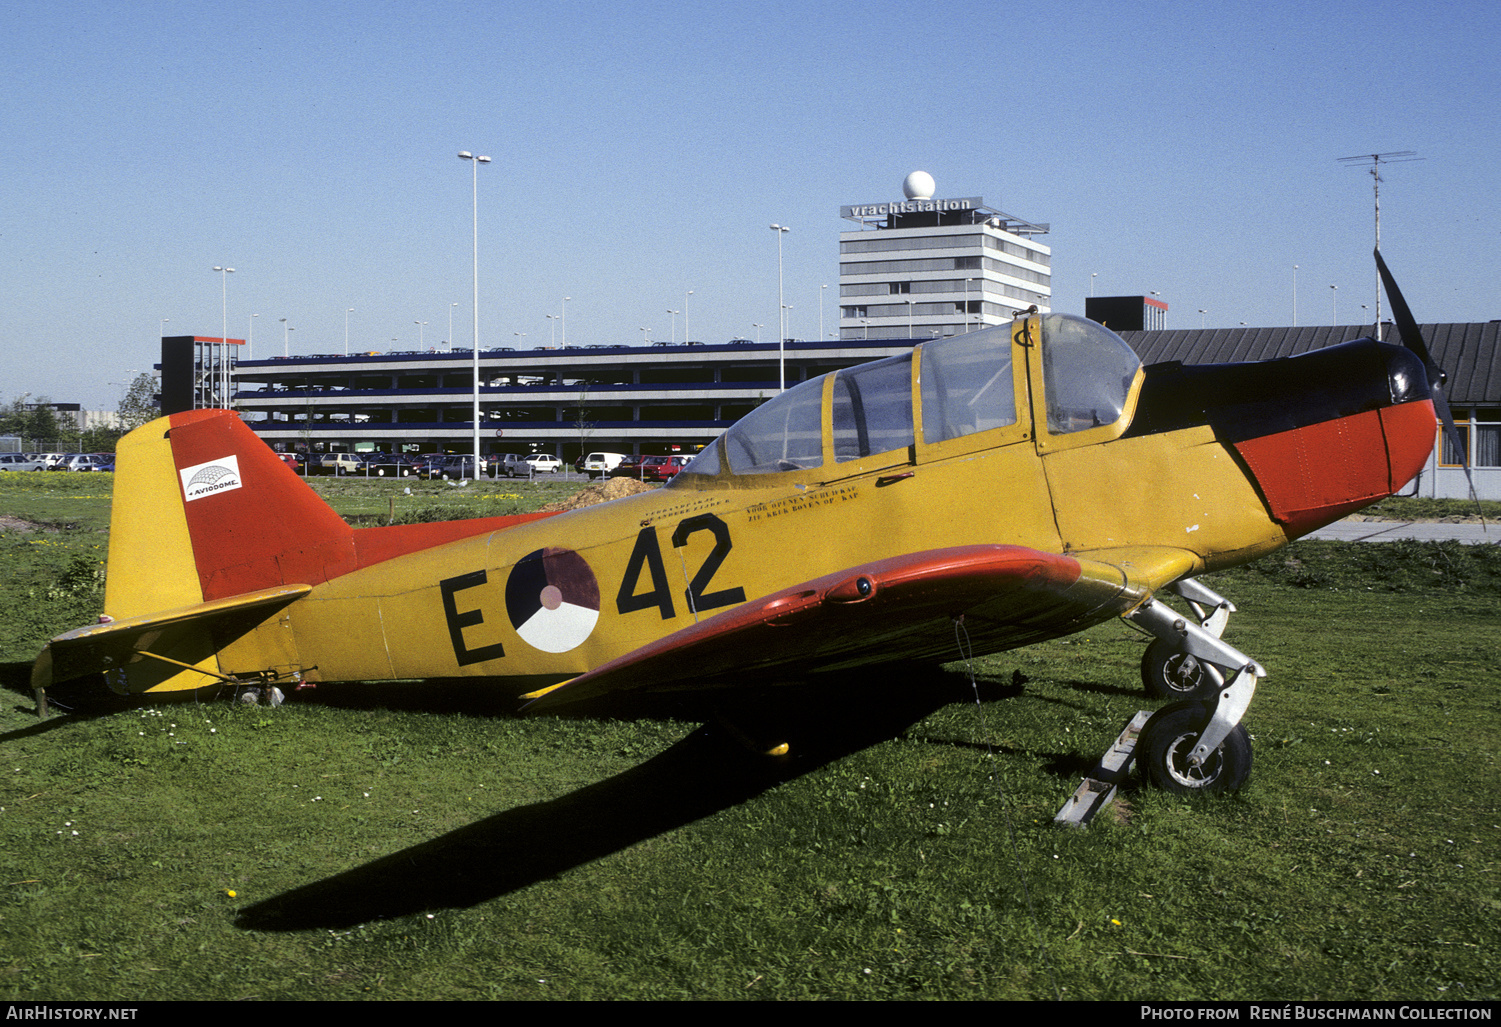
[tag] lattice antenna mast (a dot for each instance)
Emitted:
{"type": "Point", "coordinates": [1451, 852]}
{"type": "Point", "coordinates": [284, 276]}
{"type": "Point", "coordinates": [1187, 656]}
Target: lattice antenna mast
{"type": "Point", "coordinates": [1376, 160]}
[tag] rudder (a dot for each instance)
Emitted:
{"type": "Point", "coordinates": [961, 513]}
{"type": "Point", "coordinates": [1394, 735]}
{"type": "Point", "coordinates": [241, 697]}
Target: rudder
{"type": "Point", "coordinates": [206, 521]}
{"type": "Point", "coordinates": [204, 510]}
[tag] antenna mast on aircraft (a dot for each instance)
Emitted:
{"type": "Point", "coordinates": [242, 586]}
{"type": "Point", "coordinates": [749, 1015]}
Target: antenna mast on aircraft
{"type": "Point", "coordinates": [1376, 160]}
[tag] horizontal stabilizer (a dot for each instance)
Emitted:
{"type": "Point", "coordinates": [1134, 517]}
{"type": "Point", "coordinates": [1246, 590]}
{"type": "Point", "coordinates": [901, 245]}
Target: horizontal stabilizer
{"type": "Point", "coordinates": [110, 646]}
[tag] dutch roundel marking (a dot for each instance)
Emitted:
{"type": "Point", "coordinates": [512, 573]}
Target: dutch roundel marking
{"type": "Point", "coordinates": [552, 599]}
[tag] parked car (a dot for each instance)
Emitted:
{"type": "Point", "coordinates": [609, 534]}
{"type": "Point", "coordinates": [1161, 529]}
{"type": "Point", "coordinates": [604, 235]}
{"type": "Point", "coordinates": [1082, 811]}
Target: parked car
{"type": "Point", "coordinates": [596, 465]}
{"type": "Point", "coordinates": [388, 465]}
{"type": "Point", "coordinates": [78, 462]}
{"type": "Point", "coordinates": [425, 465]}
{"type": "Point", "coordinates": [457, 465]}
{"type": "Point", "coordinates": [662, 468]}
{"type": "Point", "coordinates": [21, 462]}
{"type": "Point", "coordinates": [341, 463]}
{"type": "Point", "coordinates": [525, 465]}
{"type": "Point", "coordinates": [293, 460]}
{"type": "Point", "coordinates": [630, 467]}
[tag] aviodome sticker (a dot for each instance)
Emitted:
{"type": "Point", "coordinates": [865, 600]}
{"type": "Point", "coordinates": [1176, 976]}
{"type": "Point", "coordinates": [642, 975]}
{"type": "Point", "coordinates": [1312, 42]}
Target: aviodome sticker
{"type": "Point", "coordinates": [222, 475]}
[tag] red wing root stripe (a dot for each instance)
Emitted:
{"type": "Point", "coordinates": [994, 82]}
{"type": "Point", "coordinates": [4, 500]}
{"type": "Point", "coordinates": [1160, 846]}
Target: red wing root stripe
{"type": "Point", "coordinates": [913, 588]}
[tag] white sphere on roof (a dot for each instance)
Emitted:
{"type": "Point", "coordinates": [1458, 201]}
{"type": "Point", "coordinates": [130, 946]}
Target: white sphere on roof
{"type": "Point", "coordinates": [919, 186]}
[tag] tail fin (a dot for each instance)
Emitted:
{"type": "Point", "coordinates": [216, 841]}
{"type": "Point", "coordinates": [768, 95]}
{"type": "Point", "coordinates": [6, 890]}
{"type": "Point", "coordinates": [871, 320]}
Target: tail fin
{"type": "Point", "coordinates": [211, 536]}
{"type": "Point", "coordinates": [210, 533]}
{"type": "Point", "coordinates": [204, 510]}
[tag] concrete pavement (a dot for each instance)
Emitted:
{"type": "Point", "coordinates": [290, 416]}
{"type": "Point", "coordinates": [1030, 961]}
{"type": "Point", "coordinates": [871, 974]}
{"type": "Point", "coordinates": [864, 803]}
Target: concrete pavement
{"type": "Point", "coordinates": [1392, 531]}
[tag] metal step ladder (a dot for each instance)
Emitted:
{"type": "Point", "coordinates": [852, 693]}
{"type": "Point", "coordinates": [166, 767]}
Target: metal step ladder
{"type": "Point", "coordinates": [1098, 789]}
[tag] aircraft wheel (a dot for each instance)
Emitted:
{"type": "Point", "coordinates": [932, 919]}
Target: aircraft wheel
{"type": "Point", "coordinates": [1168, 673]}
{"type": "Point", "coordinates": [1168, 739]}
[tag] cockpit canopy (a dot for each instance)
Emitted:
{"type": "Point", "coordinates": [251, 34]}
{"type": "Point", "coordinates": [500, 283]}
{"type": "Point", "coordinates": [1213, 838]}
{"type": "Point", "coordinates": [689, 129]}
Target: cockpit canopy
{"type": "Point", "coordinates": [966, 385]}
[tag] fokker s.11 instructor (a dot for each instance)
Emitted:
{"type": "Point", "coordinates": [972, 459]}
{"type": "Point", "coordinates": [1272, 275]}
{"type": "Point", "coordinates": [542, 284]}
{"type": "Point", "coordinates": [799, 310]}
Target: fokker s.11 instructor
{"type": "Point", "coordinates": [1026, 482]}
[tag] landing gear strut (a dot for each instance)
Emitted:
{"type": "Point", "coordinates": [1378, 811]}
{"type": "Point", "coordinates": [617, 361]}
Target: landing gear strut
{"type": "Point", "coordinates": [1168, 669]}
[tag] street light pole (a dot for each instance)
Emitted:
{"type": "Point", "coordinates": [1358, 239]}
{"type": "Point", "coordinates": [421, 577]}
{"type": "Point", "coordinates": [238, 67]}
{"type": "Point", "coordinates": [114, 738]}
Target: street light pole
{"type": "Point", "coordinates": [224, 273]}
{"type": "Point", "coordinates": [347, 312]}
{"type": "Point", "coordinates": [475, 163]}
{"type": "Point", "coordinates": [781, 230]}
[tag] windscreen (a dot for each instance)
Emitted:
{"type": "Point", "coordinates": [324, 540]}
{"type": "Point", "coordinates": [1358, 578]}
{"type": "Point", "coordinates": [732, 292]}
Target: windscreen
{"type": "Point", "coordinates": [1087, 372]}
{"type": "Point", "coordinates": [781, 435]}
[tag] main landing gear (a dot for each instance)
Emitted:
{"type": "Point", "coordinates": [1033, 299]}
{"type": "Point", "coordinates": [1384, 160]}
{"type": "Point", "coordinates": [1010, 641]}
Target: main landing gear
{"type": "Point", "coordinates": [1197, 744]}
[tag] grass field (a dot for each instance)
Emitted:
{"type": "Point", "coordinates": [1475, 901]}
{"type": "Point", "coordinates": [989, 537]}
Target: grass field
{"type": "Point", "coordinates": [407, 842]}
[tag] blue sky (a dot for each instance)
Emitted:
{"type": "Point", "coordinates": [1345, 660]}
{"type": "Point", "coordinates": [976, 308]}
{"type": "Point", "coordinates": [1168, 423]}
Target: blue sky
{"type": "Point", "coordinates": [641, 150]}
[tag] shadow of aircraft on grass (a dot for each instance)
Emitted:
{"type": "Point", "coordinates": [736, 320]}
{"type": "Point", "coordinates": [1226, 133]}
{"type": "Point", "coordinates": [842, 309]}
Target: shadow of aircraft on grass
{"type": "Point", "coordinates": [702, 774]}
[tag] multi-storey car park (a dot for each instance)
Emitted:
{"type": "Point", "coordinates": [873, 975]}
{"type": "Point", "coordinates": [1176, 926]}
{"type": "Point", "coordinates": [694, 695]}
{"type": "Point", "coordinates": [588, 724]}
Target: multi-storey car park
{"type": "Point", "coordinates": [624, 399]}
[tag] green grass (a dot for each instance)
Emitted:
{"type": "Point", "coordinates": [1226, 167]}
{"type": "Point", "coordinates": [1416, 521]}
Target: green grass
{"type": "Point", "coordinates": [363, 501]}
{"type": "Point", "coordinates": [57, 499]}
{"type": "Point", "coordinates": [406, 842]}
{"type": "Point", "coordinates": [1401, 508]}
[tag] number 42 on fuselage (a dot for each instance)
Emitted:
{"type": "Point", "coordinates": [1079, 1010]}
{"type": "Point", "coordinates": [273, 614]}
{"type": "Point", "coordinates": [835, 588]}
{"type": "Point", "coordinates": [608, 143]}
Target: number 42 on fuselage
{"type": "Point", "coordinates": [1029, 480]}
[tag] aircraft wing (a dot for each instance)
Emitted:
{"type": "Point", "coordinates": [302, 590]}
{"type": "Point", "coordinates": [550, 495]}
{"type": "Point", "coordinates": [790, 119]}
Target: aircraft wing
{"type": "Point", "coordinates": [933, 605]}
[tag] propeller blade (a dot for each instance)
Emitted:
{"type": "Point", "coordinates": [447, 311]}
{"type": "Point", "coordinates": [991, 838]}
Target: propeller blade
{"type": "Point", "coordinates": [1412, 338]}
{"type": "Point", "coordinates": [1407, 326]}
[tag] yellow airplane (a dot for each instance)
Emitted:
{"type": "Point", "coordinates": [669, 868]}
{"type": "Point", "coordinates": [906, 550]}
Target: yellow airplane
{"type": "Point", "coordinates": [989, 490]}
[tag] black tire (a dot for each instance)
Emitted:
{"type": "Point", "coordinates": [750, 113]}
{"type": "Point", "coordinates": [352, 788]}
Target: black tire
{"type": "Point", "coordinates": [1167, 673]}
{"type": "Point", "coordinates": [1169, 737]}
